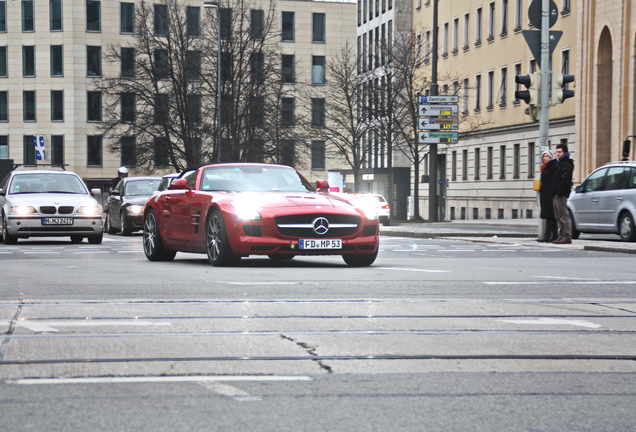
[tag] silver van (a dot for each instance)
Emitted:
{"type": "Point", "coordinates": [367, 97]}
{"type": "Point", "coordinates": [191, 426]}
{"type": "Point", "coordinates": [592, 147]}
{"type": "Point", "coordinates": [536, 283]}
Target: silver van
{"type": "Point", "coordinates": [606, 201]}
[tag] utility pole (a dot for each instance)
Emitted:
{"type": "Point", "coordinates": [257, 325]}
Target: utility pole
{"type": "Point", "coordinates": [545, 75]}
{"type": "Point", "coordinates": [432, 148]}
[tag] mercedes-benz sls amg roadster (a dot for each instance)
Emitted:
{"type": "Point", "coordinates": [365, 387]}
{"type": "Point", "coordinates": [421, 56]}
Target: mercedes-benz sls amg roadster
{"type": "Point", "coordinates": [233, 210]}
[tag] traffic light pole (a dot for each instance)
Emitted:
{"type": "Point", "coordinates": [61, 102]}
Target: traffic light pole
{"type": "Point", "coordinates": [432, 148]}
{"type": "Point", "coordinates": [545, 74]}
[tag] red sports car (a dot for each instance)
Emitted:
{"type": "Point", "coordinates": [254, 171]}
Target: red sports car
{"type": "Point", "coordinates": [233, 210]}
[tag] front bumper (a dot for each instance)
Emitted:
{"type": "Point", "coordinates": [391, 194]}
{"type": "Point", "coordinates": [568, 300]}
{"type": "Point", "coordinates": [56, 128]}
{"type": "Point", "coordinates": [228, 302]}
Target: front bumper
{"type": "Point", "coordinates": [33, 226]}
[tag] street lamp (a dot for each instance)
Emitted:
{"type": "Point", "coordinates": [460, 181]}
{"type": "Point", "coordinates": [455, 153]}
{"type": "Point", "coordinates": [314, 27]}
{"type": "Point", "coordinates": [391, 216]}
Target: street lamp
{"type": "Point", "coordinates": [215, 5]}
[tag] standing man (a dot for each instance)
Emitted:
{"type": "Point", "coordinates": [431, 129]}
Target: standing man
{"type": "Point", "coordinates": [561, 188]}
{"type": "Point", "coordinates": [121, 173]}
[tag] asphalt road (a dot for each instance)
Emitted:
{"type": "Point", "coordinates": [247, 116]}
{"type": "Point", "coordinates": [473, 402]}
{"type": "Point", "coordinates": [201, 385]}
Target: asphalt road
{"type": "Point", "coordinates": [438, 334]}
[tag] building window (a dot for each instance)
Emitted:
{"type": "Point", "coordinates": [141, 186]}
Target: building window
{"type": "Point", "coordinates": [193, 109]}
{"type": "Point", "coordinates": [531, 160]}
{"type": "Point", "coordinates": [257, 24]}
{"type": "Point", "coordinates": [427, 47]}
{"type": "Point", "coordinates": [477, 163]}
{"type": "Point", "coordinates": [193, 21]}
{"type": "Point", "coordinates": [28, 105]}
{"type": "Point", "coordinates": [162, 110]}
{"type": "Point", "coordinates": [317, 112]}
{"type": "Point", "coordinates": [491, 22]}
{"type": "Point", "coordinates": [491, 90]}
{"type": "Point", "coordinates": [162, 64]}
{"type": "Point", "coordinates": [162, 159]}
{"type": "Point", "coordinates": [565, 63]}
{"type": "Point", "coordinates": [57, 149]}
{"type": "Point", "coordinates": [161, 19]}
{"type": "Point", "coordinates": [503, 88]}
{"type": "Point", "coordinates": [94, 150]}
{"type": "Point", "coordinates": [4, 147]}
{"type": "Point", "coordinates": [3, 61]}
{"type": "Point", "coordinates": [93, 106]}
{"type": "Point", "coordinates": [518, 14]}
{"type": "Point", "coordinates": [28, 61]}
{"type": "Point", "coordinates": [193, 65]}
{"type": "Point", "coordinates": [288, 27]}
{"type": "Point", "coordinates": [128, 151]}
{"type": "Point", "coordinates": [55, 15]}
{"type": "Point", "coordinates": [318, 70]}
{"type": "Point", "coordinates": [445, 40]}
{"type": "Point", "coordinates": [516, 101]}
{"type": "Point", "coordinates": [28, 24]}
{"type": "Point", "coordinates": [289, 74]}
{"type": "Point", "coordinates": [226, 66]}
{"type": "Point", "coordinates": [464, 165]}
{"type": "Point", "coordinates": [318, 27]}
{"type": "Point", "coordinates": [477, 93]}
{"type": "Point", "coordinates": [565, 8]}
{"type": "Point", "coordinates": [28, 150]}
{"type": "Point", "coordinates": [454, 166]}
{"type": "Point", "coordinates": [127, 62]}
{"type": "Point", "coordinates": [502, 162]}
{"type": "Point", "coordinates": [94, 61]}
{"type": "Point", "coordinates": [288, 153]}
{"type": "Point", "coordinates": [516, 158]}
{"type": "Point", "coordinates": [128, 107]}
{"type": "Point", "coordinates": [57, 60]}
{"type": "Point", "coordinates": [318, 155]}
{"type": "Point", "coordinates": [57, 105]}
{"type": "Point", "coordinates": [3, 16]}
{"type": "Point", "coordinates": [504, 17]}
{"type": "Point", "coordinates": [287, 110]}
{"type": "Point", "coordinates": [466, 31]}
{"type": "Point", "coordinates": [4, 106]}
{"type": "Point", "coordinates": [478, 26]}
{"type": "Point", "coordinates": [225, 17]}
{"type": "Point", "coordinates": [489, 162]}
{"type": "Point", "coordinates": [455, 35]}
{"type": "Point", "coordinates": [93, 16]}
{"type": "Point", "coordinates": [465, 98]}
{"type": "Point", "coordinates": [127, 17]}
{"type": "Point", "coordinates": [257, 67]}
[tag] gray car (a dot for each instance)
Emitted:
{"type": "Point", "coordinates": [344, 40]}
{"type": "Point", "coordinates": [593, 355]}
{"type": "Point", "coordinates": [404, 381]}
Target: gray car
{"type": "Point", "coordinates": [125, 204]}
{"type": "Point", "coordinates": [606, 201]}
{"type": "Point", "coordinates": [44, 203]}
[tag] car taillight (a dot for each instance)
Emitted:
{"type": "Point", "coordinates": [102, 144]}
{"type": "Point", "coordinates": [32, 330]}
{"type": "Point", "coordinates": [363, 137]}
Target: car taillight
{"type": "Point", "coordinates": [386, 207]}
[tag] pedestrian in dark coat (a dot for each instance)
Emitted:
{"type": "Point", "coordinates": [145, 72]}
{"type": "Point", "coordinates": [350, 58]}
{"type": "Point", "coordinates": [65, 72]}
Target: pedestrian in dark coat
{"type": "Point", "coordinates": [561, 188]}
{"type": "Point", "coordinates": [550, 232]}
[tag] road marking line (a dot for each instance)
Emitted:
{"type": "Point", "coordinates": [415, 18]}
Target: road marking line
{"type": "Point", "coordinates": [554, 321]}
{"type": "Point", "coordinates": [156, 379]}
{"type": "Point", "coordinates": [51, 326]}
{"type": "Point", "coordinates": [413, 270]}
{"type": "Point", "coordinates": [259, 283]}
{"type": "Point", "coordinates": [584, 282]}
{"type": "Point", "coordinates": [229, 391]}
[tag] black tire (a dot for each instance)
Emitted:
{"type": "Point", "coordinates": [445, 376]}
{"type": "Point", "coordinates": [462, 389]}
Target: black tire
{"type": "Point", "coordinates": [125, 226]}
{"type": "Point", "coordinates": [109, 226]}
{"type": "Point", "coordinates": [76, 239]}
{"type": "Point", "coordinates": [153, 246]}
{"type": "Point", "coordinates": [96, 239]}
{"type": "Point", "coordinates": [281, 257]}
{"type": "Point", "coordinates": [217, 243]}
{"type": "Point", "coordinates": [626, 227]}
{"type": "Point", "coordinates": [7, 238]}
{"type": "Point", "coordinates": [575, 232]}
{"type": "Point", "coordinates": [360, 260]}
{"type": "Point", "coordinates": [386, 222]}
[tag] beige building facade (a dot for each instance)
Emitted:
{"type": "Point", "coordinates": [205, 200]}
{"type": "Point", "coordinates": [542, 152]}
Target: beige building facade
{"type": "Point", "coordinates": [490, 172]}
{"type": "Point", "coordinates": [52, 52]}
{"type": "Point", "coordinates": [606, 109]}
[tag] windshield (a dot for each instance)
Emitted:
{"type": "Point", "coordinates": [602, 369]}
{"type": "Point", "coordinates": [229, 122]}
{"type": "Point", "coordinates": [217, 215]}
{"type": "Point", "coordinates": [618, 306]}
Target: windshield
{"type": "Point", "coordinates": [47, 183]}
{"type": "Point", "coordinates": [252, 178]}
{"type": "Point", "coordinates": [141, 187]}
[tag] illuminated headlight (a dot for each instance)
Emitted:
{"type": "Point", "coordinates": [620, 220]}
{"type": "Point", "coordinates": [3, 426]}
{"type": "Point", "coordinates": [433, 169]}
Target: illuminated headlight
{"type": "Point", "coordinates": [370, 210]}
{"type": "Point", "coordinates": [135, 209]}
{"type": "Point", "coordinates": [246, 210]}
{"type": "Point", "coordinates": [90, 210]}
{"type": "Point", "coordinates": [22, 210]}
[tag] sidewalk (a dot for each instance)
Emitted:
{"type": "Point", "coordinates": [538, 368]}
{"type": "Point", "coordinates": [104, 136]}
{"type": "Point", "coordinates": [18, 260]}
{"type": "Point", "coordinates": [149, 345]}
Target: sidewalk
{"type": "Point", "coordinates": [504, 231]}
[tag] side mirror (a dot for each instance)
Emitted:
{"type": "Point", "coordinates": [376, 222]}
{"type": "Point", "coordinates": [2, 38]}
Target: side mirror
{"type": "Point", "coordinates": [179, 184]}
{"type": "Point", "coordinates": [627, 144]}
{"type": "Point", "coordinates": [96, 191]}
{"type": "Point", "coordinates": [114, 192]}
{"type": "Point", "coordinates": [1, 192]}
{"type": "Point", "coordinates": [322, 186]}
{"type": "Point", "coordinates": [578, 189]}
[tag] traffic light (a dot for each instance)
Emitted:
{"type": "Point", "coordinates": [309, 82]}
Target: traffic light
{"type": "Point", "coordinates": [559, 92]}
{"type": "Point", "coordinates": [531, 96]}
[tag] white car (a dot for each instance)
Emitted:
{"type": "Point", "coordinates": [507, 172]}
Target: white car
{"type": "Point", "coordinates": [44, 203]}
{"type": "Point", "coordinates": [378, 201]}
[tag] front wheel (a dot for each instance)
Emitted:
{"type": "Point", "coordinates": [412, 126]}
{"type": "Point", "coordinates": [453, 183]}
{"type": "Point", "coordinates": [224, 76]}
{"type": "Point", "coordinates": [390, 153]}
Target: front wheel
{"type": "Point", "coordinates": [626, 227]}
{"type": "Point", "coordinates": [575, 232]}
{"type": "Point", "coordinates": [109, 226]}
{"type": "Point", "coordinates": [76, 238]}
{"type": "Point", "coordinates": [153, 246]}
{"type": "Point", "coordinates": [360, 260]}
{"type": "Point", "coordinates": [96, 239]}
{"type": "Point", "coordinates": [7, 238]}
{"type": "Point", "coordinates": [217, 243]}
{"type": "Point", "coordinates": [125, 226]}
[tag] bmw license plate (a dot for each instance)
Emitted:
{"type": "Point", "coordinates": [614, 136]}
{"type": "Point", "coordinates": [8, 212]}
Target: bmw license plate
{"type": "Point", "coordinates": [320, 243]}
{"type": "Point", "coordinates": [57, 221]}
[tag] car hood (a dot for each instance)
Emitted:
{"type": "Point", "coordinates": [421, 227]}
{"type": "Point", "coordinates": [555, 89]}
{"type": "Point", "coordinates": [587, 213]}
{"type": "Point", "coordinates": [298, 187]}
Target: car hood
{"type": "Point", "coordinates": [294, 199]}
{"type": "Point", "coordinates": [47, 199]}
{"type": "Point", "coordinates": [136, 200]}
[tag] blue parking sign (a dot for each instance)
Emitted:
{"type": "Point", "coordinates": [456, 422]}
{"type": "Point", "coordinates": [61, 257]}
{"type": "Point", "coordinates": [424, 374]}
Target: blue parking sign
{"type": "Point", "coordinates": [40, 149]}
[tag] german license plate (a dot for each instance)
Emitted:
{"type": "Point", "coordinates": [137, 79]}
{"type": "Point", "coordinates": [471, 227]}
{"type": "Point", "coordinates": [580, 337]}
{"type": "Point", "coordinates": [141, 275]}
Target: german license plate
{"type": "Point", "coordinates": [57, 221]}
{"type": "Point", "coordinates": [320, 244]}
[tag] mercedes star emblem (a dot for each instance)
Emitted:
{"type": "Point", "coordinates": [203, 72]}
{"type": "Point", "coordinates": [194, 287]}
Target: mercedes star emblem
{"type": "Point", "coordinates": [321, 225]}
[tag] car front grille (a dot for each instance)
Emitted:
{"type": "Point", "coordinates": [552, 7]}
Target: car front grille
{"type": "Point", "coordinates": [51, 210]}
{"type": "Point", "coordinates": [303, 226]}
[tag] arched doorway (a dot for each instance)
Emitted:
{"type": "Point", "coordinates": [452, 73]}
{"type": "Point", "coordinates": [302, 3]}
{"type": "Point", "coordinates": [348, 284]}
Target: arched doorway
{"type": "Point", "coordinates": [604, 73]}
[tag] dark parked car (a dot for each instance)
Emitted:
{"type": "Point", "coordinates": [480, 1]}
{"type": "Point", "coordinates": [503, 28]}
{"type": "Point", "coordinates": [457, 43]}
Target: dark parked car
{"type": "Point", "coordinates": [125, 204]}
